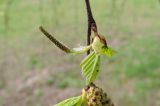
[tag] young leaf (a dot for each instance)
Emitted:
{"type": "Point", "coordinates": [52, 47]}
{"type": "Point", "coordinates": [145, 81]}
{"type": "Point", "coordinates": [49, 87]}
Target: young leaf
{"type": "Point", "coordinates": [90, 56]}
{"type": "Point", "coordinates": [90, 67]}
{"type": "Point", "coordinates": [108, 51]}
{"type": "Point", "coordinates": [95, 70]}
{"type": "Point", "coordinates": [75, 101]}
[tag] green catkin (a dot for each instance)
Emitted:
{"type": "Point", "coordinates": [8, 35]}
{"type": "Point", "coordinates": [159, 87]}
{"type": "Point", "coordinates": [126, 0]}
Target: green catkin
{"type": "Point", "coordinates": [55, 41]}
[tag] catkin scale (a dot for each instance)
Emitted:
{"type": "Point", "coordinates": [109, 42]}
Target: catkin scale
{"type": "Point", "coordinates": [96, 96]}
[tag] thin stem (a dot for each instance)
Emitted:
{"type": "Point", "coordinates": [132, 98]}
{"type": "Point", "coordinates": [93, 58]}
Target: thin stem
{"type": "Point", "coordinates": [89, 12]}
{"type": "Point", "coordinates": [91, 22]}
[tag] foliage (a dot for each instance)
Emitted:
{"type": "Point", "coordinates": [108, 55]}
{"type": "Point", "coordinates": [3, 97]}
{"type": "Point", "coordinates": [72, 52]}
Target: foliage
{"type": "Point", "coordinates": [135, 36]}
{"type": "Point", "coordinates": [90, 67]}
{"type": "Point", "coordinates": [75, 101]}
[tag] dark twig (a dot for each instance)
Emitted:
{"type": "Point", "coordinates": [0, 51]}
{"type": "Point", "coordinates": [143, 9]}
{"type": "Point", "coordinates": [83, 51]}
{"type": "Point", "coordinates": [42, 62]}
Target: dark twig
{"type": "Point", "coordinates": [55, 41]}
{"type": "Point", "coordinates": [91, 22]}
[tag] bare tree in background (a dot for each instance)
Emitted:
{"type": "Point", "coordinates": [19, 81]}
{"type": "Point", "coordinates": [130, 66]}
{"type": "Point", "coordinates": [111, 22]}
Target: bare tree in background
{"type": "Point", "coordinates": [117, 10]}
{"type": "Point", "coordinates": [6, 15]}
{"type": "Point", "coordinates": [42, 22]}
{"type": "Point", "coordinates": [41, 16]}
{"type": "Point", "coordinates": [75, 4]}
{"type": "Point", "coordinates": [120, 11]}
{"type": "Point", "coordinates": [55, 5]}
{"type": "Point", "coordinates": [114, 7]}
{"type": "Point", "coordinates": [5, 41]}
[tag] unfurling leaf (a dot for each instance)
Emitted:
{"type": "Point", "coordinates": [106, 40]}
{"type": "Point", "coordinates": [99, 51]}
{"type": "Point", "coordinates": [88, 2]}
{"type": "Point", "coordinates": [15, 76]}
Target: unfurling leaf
{"type": "Point", "coordinates": [108, 51]}
{"type": "Point", "coordinates": [75, 101]}
{"type": "Point", "coordinates": [90, 67]}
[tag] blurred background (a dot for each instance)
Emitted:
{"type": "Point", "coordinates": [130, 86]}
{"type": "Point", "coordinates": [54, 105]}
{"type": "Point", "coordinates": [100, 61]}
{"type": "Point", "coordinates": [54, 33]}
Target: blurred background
{"type": "Point", "coordinates": [33, 72]}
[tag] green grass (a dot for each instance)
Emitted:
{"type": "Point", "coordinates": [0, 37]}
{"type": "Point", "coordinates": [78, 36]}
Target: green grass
{"type": "Point", "coordinates": [68, 79]}
{"type": "Point", "coordinates": [143, 58]}
{"type": "Point", "coordinates": [133, 31]}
